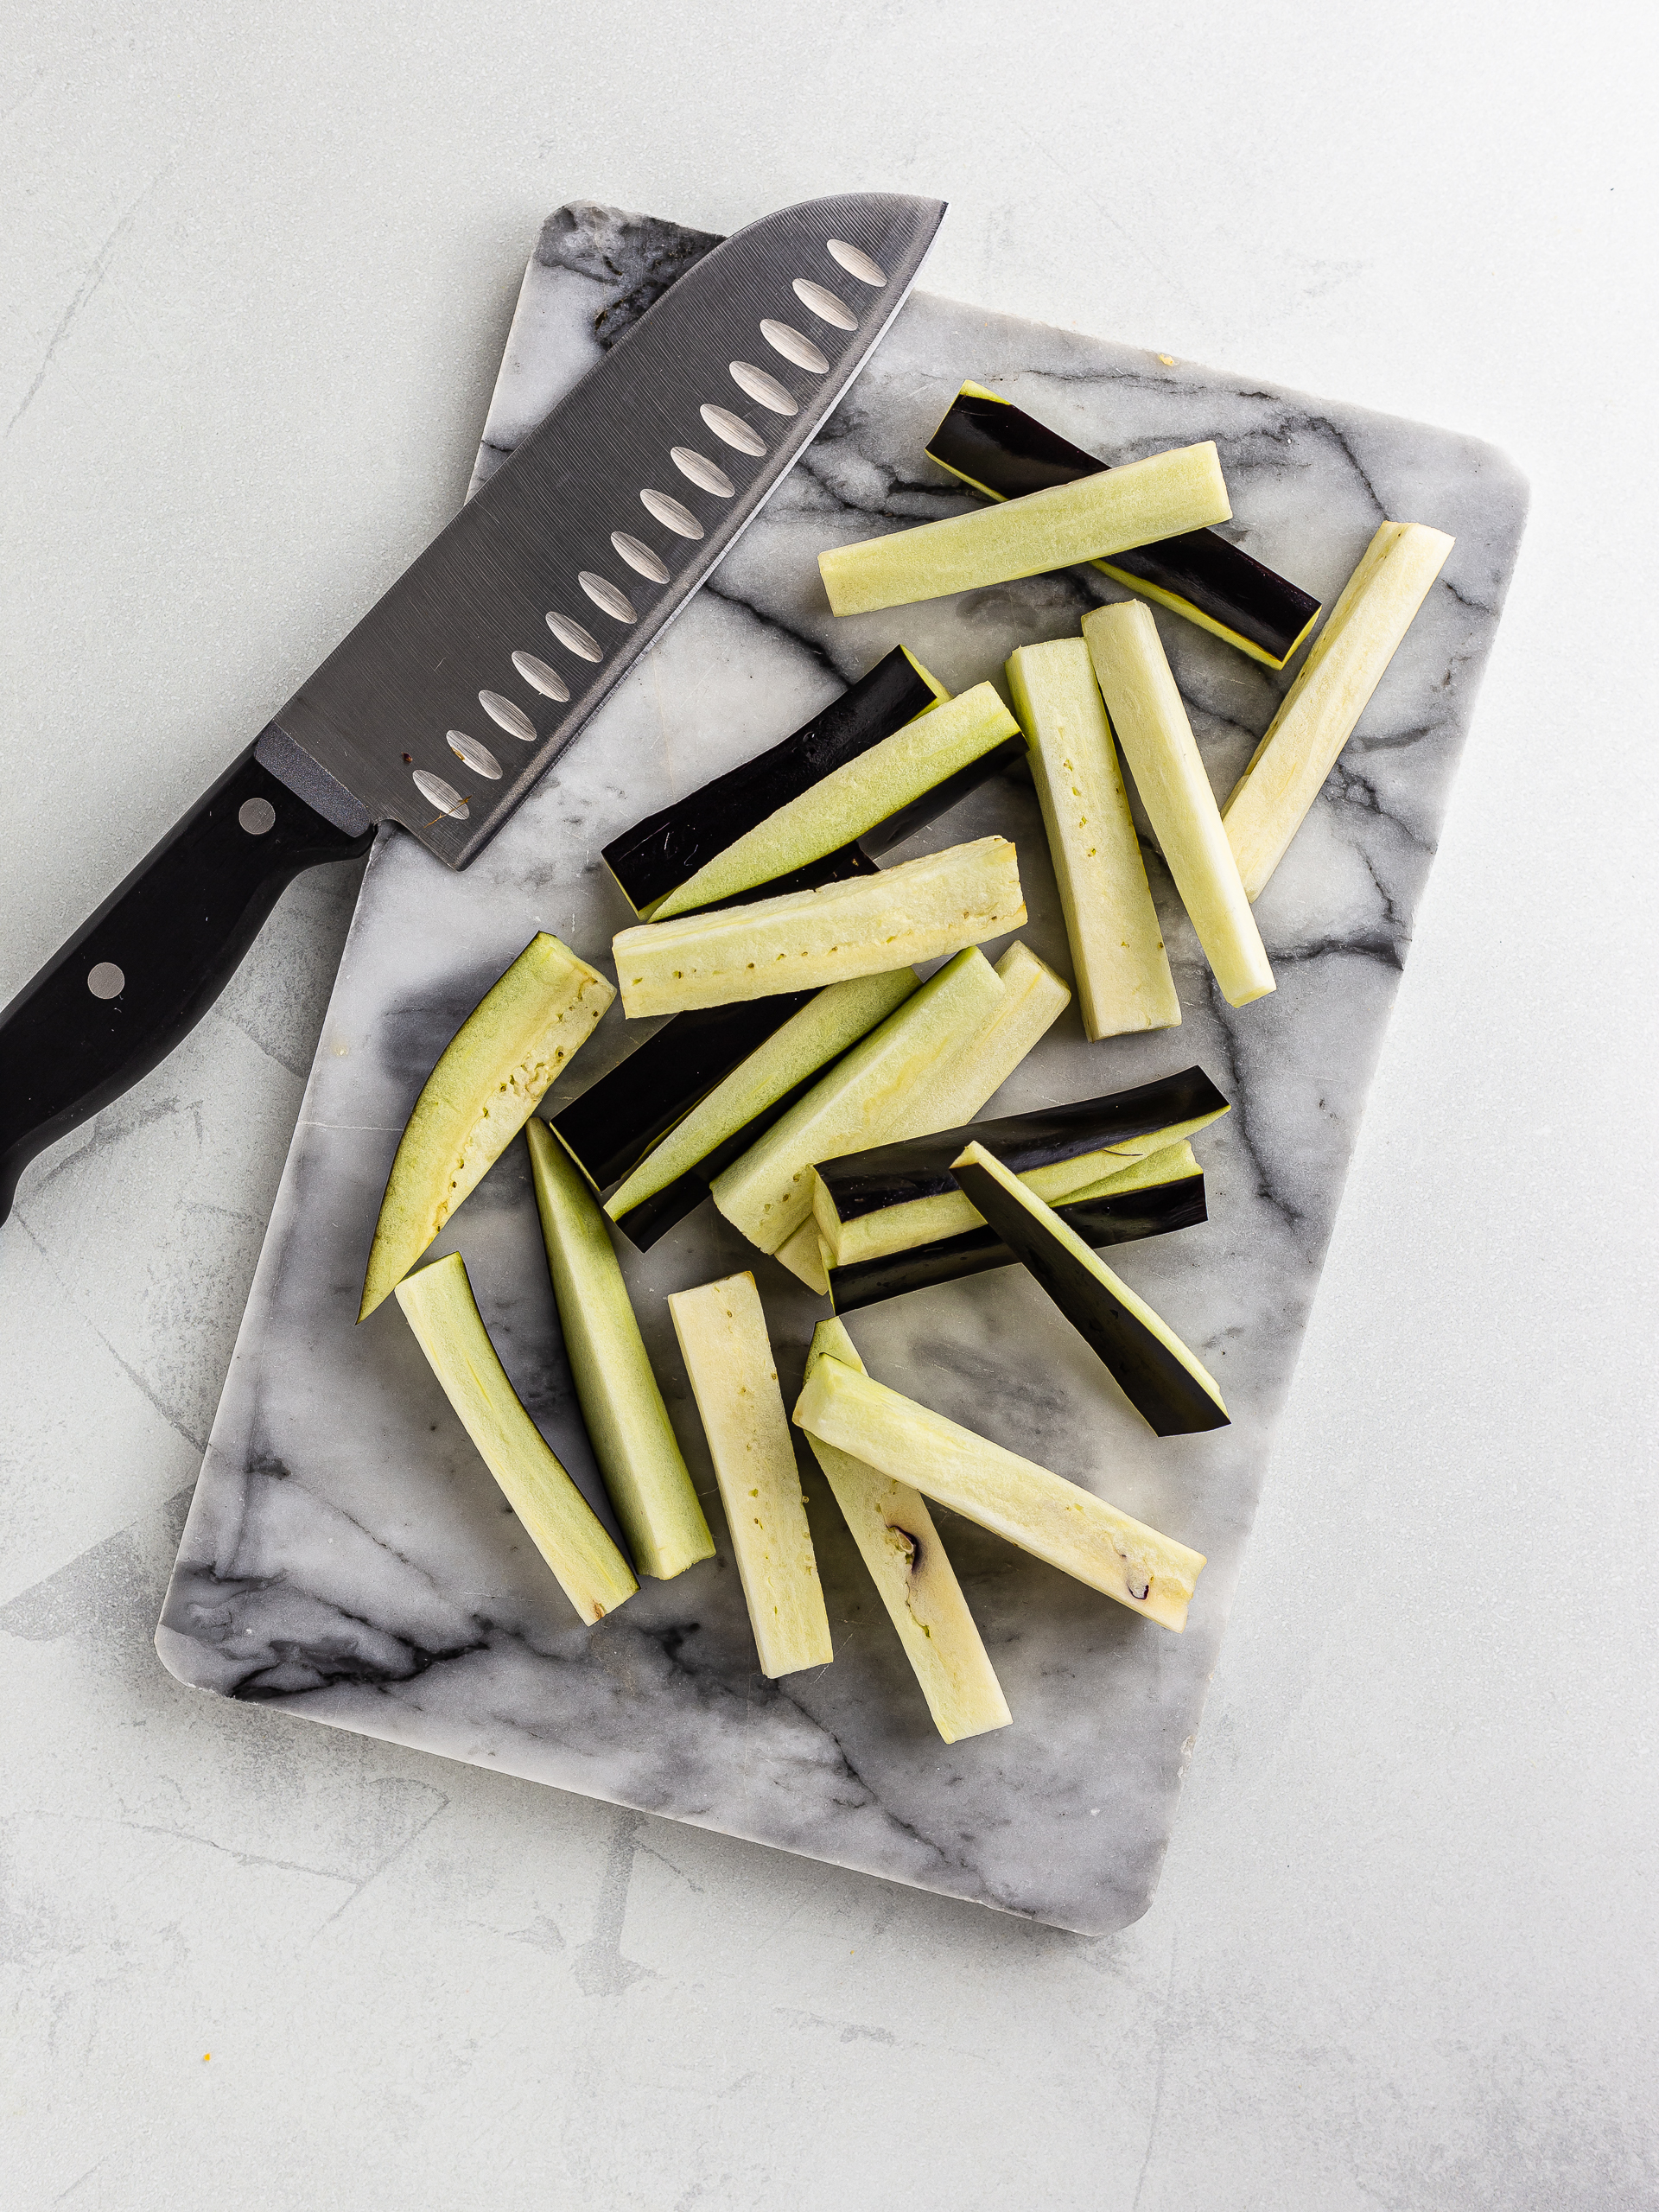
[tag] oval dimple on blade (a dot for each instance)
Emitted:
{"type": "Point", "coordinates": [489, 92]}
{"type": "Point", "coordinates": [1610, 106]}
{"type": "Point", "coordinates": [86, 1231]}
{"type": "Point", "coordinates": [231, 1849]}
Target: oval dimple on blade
{"type": "Point", "coordinates": [702, 471]}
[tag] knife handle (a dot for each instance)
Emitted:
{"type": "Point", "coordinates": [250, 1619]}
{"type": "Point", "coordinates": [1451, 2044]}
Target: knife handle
{"type": "Point", "coordinates": [140, 975]}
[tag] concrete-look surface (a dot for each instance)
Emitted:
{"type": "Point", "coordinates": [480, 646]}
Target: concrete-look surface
{"type": "Point", "coordinates": [1401, 1953]}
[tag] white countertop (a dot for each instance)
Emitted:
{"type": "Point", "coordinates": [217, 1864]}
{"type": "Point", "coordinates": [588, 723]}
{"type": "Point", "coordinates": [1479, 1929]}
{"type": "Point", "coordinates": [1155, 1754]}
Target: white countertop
{"type": "Point", "coordinates": [1402, 1949]}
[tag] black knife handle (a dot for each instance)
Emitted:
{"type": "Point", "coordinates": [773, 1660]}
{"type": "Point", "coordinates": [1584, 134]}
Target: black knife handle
{"type": "Point", "coordinates": [143, 970]}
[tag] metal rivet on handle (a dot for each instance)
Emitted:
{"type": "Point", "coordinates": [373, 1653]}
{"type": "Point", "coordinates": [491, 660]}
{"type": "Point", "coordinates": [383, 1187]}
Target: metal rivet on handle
{"type": "Point", "coordinates": [507, 716]}
{"type": "Point", "coordinates": [105, 981]}
{"type": "Point", "coordinates": [444, 797]}
{"type": "Point", "coordinates": [640, 557]}
{"type": "Point", "coordinates": [603, 593]}
{"type": "Point", "coordinates": [672, 514]}
{"type": "Point", "coordinates": [580, 641]}
{"type": "Point", "coordinates": [479, 758]}
{"type": "Point", "coordinates": [702, 471]}
{"type": "Point", "coordinates": [763, 388]}
{"type": "Point", "coordinates": [825, 304]}
{"type": "Point", "coordinates": [732, 429]}
{"type": "Point", "coordinates": [856, 264]}
{"type": "Point", "coordinates": [257, 816]}
{"type": "Point", "coordinates": [784, 339]}
{"type": "Point", "coordinates": [540, 676]}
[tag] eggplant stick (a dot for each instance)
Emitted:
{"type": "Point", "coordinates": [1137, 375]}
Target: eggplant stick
{"type": "Point", "coordinates": [439, 1308]}
{"type": "Point", "coordinates": [1168, 493]}
{"type": "Point", "coordinates": [917, 911]}
{"type": "Point", "coordinates": [1150, 724]}
{"type": "Point", "coordinates": [899, 1545]}
{"type": "Point", "coordinates": [1287, 770]}
{"type": "Point", "coordinates": [1117, 948]}
{"type": "Point", "coordinates": [1168, 1385]}
{"type": "Point", "coordinates": [1056, 1521]}
{"type": "Point", "coordinates": [622, 1408]}
{"type": "Point", "coordinates": [722, 1334]}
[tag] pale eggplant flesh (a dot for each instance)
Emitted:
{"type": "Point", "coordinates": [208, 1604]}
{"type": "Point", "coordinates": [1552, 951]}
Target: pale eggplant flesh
{"type": "Point", "coordinates": [896, 1174]}
{"type": "Point", "coordinates": [1004, 452]}
{"type": "Point", "coordinates": [1116, 1218]}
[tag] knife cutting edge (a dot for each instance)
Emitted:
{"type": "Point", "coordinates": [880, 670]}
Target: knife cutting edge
{"type": "Point", "coordinates": [453, 695]}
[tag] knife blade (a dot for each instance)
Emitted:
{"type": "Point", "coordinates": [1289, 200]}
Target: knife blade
{"type": "Point", "coordinates": [453, 695]}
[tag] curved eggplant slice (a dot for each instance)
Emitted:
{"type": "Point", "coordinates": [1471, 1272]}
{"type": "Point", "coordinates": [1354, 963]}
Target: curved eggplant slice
{"type": "Point", "coordinates": [488, 1080]}
{"type": "Point", "coordinates": [1142, 1208]}
{"type": "Point", "coordinates": [1004, 452]}
{"type": "Point", "coordinates": [1167, 1386]}
{"type": "Point", "coordinates": [659, 854]}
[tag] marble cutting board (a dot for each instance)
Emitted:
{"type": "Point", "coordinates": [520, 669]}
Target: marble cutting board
{"type": "Point", "coordinates": [347, 1556]}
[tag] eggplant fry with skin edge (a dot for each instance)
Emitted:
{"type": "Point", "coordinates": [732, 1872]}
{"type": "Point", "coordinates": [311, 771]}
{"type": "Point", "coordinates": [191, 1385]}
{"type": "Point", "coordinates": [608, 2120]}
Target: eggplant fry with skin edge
{"type": "Point", "coordinates": [901, 1194]}
{"type": "Point", "coordinates": [1169, 1388]}
{"type": "Point", "coordinates": [663, 852]}
{"type": "Point", "coordinates": [674, 1177]}
{"type": "Point", "coordinates": [999, 451]}
{"type": "Point", "coordinates": [767, 1193]}
{"type": "Point", "coordinates": [1152, 1197]}
{"type": "Point", "coordinates": [1056, 1521]}
{"type": "Point", "coordinates": [890, 1523]}
{"type": "Point", "coordinates": [489, 1079]}
{"type": "Point", "coordinates": [1168, 493]}
{"type": "Point", "coordinates": [893, 781]}
{"type": "Point", "coordinates": [1286, 772]}
{"type": "Point", "coordinates": [622, 1407]}
{"type": "Point", "coordinates": [1033, 998]}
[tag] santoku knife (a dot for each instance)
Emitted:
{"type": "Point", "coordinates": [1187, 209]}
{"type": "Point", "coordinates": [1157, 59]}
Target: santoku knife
{"type": "Point", "coordinates": [455, 693]}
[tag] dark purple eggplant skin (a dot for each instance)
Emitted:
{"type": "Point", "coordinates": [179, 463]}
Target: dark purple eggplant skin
{"type": "Point", "coordinates": [615, 1123]}
{"type": "Point", "coordinates": [1100, 1222]}
{"type": "Point", "coordinates": [659, 854]}
{"type": "Point", "coordinates": [1004, 453]}
{"type": "Point", "coordinates": [893, 1174]}
{"type": "Point", "coordinates": [1171, 1402]}
{"type": "Point", "coordinates": [654, 1216]}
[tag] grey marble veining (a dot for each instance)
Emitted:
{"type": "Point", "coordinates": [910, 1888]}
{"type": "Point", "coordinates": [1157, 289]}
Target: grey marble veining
{"type": "Point", "coordinates": [347, 1557]}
